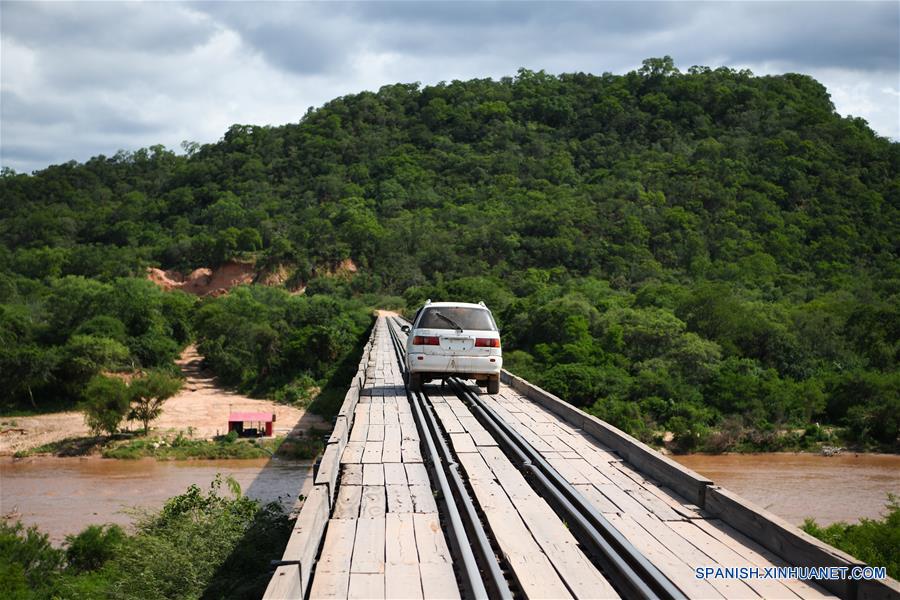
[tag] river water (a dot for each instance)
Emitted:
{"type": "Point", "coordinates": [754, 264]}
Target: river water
{"type": "Point", "coordinates": [845, 487]}
{"type": "Point", "coordinates": [64, 495]}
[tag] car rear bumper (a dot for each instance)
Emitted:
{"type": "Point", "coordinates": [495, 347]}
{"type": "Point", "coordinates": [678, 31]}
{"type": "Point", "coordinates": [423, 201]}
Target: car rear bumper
{"type": "Point", "coordinates": [466, 366]}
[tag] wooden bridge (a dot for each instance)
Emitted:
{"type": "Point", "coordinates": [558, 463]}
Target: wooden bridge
{"type": "Point", "coordinates": [453, 494]}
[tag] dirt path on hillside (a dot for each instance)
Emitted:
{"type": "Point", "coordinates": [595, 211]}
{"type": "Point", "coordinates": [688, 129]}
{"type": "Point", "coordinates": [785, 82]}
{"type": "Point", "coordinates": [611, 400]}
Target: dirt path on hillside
{"type": "Point", "coordinates": [202, 405]}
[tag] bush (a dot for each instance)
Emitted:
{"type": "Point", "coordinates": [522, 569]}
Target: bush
{"type": "Point", "coordinates": [27, 560]}
{"type": "Point", "coordinates": [875, 542]}
{"type": "Point", "coordinates": [106, 403]}
{"type": "Point", "coordinates": [93, 547]}
{"type": "Point", "coordinates": [199, 545]}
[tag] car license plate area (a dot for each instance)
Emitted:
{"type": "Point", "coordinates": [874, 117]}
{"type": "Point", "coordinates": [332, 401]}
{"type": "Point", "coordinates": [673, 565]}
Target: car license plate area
{"type": "Point", "coordinates": [456, 344]}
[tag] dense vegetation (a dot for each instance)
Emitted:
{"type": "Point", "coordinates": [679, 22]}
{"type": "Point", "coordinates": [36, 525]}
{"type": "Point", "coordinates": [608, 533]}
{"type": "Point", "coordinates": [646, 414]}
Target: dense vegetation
{"type": "Point", "coordinates": [266, 340]}
{"type": "Point", "coordinates": [711, 253]}
{"type": "Point", "coordinates": [60, 338]}
{"type": "Point", "coordinates": [875, 542]}
{"type": "Point", "coordinates": [200, 545]}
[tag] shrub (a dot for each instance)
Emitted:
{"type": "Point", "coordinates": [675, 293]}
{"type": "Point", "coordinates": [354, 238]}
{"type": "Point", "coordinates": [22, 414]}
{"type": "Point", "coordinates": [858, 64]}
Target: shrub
{"type": "Point", "coordinates": [106, 402]}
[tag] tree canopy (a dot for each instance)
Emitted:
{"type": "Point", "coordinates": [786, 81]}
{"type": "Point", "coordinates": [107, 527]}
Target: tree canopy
{"type": "Point", "coordinates": [669, 249]}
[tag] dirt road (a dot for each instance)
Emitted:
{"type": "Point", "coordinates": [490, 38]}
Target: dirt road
{"type": "Point", "coordinates": [202, 405]}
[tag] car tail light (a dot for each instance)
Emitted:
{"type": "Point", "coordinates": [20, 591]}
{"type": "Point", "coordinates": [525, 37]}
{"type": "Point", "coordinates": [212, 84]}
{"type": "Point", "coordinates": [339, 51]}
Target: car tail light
{"type": "Point", "coordinates": [487, 342]}
{"type": "Point", "coordinates": [426, 340]}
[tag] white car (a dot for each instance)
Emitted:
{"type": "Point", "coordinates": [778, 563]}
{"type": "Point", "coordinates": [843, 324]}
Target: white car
{"type": "Point", "coordinates": [453, 339]}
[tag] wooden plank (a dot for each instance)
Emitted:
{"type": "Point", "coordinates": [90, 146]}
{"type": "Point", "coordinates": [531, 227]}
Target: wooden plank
{"type": "Point", "coordinates": [410, 451]}
{"type": "Point", "coordinates": [778, 536]}
{"type": "Point", "coordinates": [626, 503]}
{"type": "Point", "coordinates": [423, 498]}
{"type": "Point", "coordinates": [368, 548]}
{"type": "Point", "coordinates": [330, 585]}
{"type": "Point", "coordinates": [373, 503]}
{"type": "Point", "coordinates": [399, 499]}
{"type": "Point", "coordinates": [328, 469]}
{"type": "Point", "coordinates": [400, 539]}
{"type": "Point", "coordinates": [393, 448]}
{"type": "Point", "coordinates": [663, 511]}
{"type": "Point", "coordinates": [285, 584]}
{"type": "Point", "coordinates": [684, 481]}
{"type": "Point", "coordinates": [373, 474]}
{"type": "Point", "coordinates": [430, 542]}
{"type": "Point", "coordinates": [530, 565]}
{"type": "Point", "coordinates": [359, 433]}
{"type": "Point", "coordinates": [338, 547]}
{"type": "Point", "coordinates": [351, 474]}
{"type": "Point", "coordinates": [408, 431]}
{"type": "Point", "coordinates": [462, 442]}
{"type": "Point", "coordinates": [479, 434]}
{"type": "Point", "coordinates": [402, 582]}
{"type": "Point", "coordinates": [757, 555]}
{"type": "Point", "coordinates": [673, 567]}
{"type": "Point", "coordinates": [372, 452]}
{"type": "Point", "coordinates": [694, 557]}
{"type": "Point", "coordinates": [569, 469]}
{"type": "Point", "coordinates": [678, 504]}
{"type": "Point", "coordinates": [366, 586]}
{"type": "Point", "coordinates": [590, 471]}
{"type": "Point", "coordinates": [475, 467]}
{"type": "Point", "coordinates": [353, 452]}
{"type": "Point", "coordinates": [417, 474]}
{"type": "Point", "coordinates": [448, 420]}
{"type": "Point", "coordinates": [438, 581]}
{"type": "Point", "coordinates": [361, 414]}
{"type": "Point", "coordinates": [557, 542]}
{"type": "Point", "coordinates": [395, 474]}
{"type": "Point", "coordinates": [340, 432]}
{"type": "Point", "coordinates": [725, 556]}
{"type": "Point", "coordinates": [587, 448]}
{"type": "Point", "coordinates": [348, 502]}
{"type": "Point", "coordinates": [456, 405]}
{"type": "Point", "coordinates": [375, 433]}
{"type": "Point", "coordinates": [376, 414]}
{"type": "Point", "coordinates": [597, 500]}
{"type": "Point", "coordinates": [308, 532]}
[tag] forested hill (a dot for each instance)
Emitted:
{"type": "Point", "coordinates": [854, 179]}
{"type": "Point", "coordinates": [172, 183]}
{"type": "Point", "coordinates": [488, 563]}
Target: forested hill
{"type": "Point", "coordinates": [667, 248]}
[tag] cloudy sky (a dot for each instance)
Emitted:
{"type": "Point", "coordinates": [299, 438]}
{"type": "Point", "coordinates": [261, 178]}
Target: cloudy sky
{"type": "Point", "coordinates": [85, 78]}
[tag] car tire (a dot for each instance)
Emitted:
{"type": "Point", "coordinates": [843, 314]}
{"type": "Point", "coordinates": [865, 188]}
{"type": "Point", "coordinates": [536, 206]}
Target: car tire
{"type": "Point", "coordinates": [415, 382]}
{"type": "Point", "coordinates": [493, 386]}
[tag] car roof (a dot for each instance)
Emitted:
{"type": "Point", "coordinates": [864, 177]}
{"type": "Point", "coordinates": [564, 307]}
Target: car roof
{"type": "Point", "coordinates": [458, 304]}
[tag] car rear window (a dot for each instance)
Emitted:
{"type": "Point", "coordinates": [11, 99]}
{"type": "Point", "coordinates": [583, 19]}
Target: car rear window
{"type": "Point", "coordinates": [467, 318]}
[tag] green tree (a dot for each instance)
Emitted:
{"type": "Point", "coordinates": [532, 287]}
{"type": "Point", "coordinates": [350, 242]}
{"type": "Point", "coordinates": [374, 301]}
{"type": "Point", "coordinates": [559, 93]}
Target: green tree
{"type": "Point", "coordinates": [106, 401]}
{"type": "Point", "coordinates": [148, 394]}
{"type": "Point", "coordinates": [93, 547]}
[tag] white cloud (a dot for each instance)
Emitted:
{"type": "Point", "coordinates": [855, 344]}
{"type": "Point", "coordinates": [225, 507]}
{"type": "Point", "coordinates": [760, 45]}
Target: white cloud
{"type": "Point", "coordinates": [81, 79]}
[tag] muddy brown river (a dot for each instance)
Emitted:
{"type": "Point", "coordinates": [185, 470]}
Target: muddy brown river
{"type": "Point", "coordinates": [846, 487]}
{"type": "Point", "coordinates": [64, 495]}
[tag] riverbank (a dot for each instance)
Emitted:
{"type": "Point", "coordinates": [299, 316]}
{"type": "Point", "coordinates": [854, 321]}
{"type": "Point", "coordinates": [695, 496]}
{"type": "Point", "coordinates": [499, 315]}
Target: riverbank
{"type": "Point", "coordinates": [179, 447]}
{"type": "Point", "coordinates": [199, 412]}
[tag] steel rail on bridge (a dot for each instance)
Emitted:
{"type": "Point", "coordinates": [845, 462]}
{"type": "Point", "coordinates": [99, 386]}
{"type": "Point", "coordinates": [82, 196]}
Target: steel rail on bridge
{"type": "Point", "coordinates": [628, 570]}
{"type": "Point", "coordinates": [462, 524]}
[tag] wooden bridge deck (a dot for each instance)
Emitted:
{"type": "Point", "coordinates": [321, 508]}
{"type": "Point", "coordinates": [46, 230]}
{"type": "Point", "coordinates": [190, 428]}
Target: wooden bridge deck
{"type": "Point", "coordinates": [384, 538]}
{"type": "Point", "coordinates": [381, 533]}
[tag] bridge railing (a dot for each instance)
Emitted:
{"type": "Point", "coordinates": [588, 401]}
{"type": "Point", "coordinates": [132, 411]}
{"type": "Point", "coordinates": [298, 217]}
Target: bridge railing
{"type": "Point", "coordinates": [294, 571]}
{"type": "Point", "coordinates": [793, 545]}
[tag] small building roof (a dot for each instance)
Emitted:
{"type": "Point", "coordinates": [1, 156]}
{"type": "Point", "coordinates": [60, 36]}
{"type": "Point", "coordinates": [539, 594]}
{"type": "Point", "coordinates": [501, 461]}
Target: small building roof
{"type": "Point", "coordinates": [251, 416]}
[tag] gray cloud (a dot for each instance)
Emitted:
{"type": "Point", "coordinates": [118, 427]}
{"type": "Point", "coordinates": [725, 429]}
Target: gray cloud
{"type": "Point", "coordinates": [107, 26]}
{"type": "Point", "coordinates": [83, 78]}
